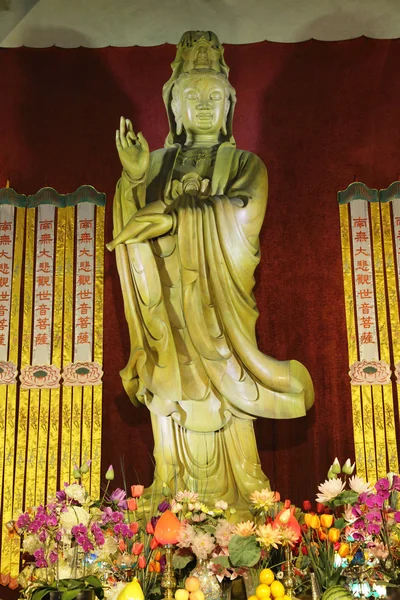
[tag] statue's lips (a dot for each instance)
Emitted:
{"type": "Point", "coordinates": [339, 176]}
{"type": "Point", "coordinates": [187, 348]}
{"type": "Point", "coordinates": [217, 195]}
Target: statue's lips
{"type": "Point", "coordinates": [204, 116]}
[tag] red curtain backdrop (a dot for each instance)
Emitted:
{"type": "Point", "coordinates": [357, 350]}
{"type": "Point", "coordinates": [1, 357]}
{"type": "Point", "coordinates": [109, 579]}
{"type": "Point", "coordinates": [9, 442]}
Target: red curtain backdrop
{"type": "Point", "coordinates": [319, 114]}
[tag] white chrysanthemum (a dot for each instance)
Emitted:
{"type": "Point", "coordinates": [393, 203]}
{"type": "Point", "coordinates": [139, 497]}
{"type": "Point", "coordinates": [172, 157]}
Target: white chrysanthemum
{"type": "Point", "coordinates": [221, 504]}
{"type": "Point", "coordinates": [186, 496]}
{"type": "Point", "coordinates": [329, 490]}
{"type": "Point", "coordinates": [76, 492]}
{"type": "Point", "coordinates": [268, 536]}
{"type": "Point", "coordinates": [74, 515]}
{"type": "Point", "coordinates": [109, 547]}
{"type": "Point", "coordinates": [245, 528]}
{"type": "Point", "coordinates": [358, 485]}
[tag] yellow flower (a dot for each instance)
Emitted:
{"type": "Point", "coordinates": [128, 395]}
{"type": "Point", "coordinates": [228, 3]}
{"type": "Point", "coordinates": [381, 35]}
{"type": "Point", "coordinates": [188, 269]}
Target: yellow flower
{"type": "Point", "coordinates": [263, 499]}
{"type": "Point", "coordinates": [288, 536]}
{"type": "Point", "coordinates": [204, 508]}
{"type": "Point", "coordinates": [327, 521]}
{"type": "Point", "coordinates": [268, 536]}
{"type": "Point", "coordinates": [245, 529]}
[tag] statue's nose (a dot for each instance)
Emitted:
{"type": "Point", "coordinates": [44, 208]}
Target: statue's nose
{"type": "Point", "coordinates": [204, 104]}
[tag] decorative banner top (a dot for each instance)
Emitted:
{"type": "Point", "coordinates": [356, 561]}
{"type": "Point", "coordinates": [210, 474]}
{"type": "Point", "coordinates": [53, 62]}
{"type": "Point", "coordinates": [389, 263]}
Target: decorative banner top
{"type": "Point", "coordinates": [48, 195]}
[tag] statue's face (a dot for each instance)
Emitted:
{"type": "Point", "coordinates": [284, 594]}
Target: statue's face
{"type": "Point", "coordinates": [203, 104]}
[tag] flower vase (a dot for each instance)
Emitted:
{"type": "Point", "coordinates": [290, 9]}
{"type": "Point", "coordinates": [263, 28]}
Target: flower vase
{"type": "Point", "coordinates": [288, 579]}
{"type": "Point", "coordinates": [250, 580]}
{"type": "Point", "coordinates": [208, 581]}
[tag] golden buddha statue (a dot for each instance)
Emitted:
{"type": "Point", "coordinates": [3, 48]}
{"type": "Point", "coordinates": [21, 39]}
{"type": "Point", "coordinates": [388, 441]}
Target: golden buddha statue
{"type": "Point", "coordinates": [186, 223]}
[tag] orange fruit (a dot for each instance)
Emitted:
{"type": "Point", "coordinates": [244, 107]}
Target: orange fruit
{"type": "Point", "coordinates": [286, 597]}
{"type": "Point", "coordinates": [197, 595]}
{"type": "Point", "coordinates": [267, 576]}
{"type": "Point", "coordinates": [263, 591]}
{"type": "Point", "coordinates": [277, 589]}
{"type": "Point", "coordinates": [192, 584]}
{"type": "Point", "coordinates": [252, 598]}
{"type": "Point", "coordinates": [181, 595]}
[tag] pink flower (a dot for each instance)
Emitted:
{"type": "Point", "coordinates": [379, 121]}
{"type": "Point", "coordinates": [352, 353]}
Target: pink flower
{"type": "Point", "coordinates": [186, 536]}
{"type": "Point", "coordinates": [203, 544]}
{"type": "Point", "coordinates": [142, 562]}
{"type": "Point", "coordinates": [223, 533]}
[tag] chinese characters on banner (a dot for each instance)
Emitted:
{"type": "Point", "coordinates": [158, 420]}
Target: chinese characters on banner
{"type": "Point", "coordinates": [41, 373]}
{"type": "Point", "coordinates": [8, 372]}
{"type": "Point", "coordinates": [369, 369]}
{"type": "Point", "coordinates": [84, 371]}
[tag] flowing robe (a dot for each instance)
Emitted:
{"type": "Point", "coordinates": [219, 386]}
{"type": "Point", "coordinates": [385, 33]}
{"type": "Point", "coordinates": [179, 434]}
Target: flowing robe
{"type": "Point", "coordinates": [191, 313]}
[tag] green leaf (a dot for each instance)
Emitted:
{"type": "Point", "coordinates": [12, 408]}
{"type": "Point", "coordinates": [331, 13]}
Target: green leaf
{"type": "Point", "coordinates": [339, 523]}
{"type": "Point", "coordinates": [70, 594]}
{"type": "Point", "coordinates": [244, 551]}
{"type": "Point", "coordinates": [38, 594]}
{"type": "Point", "coordinates": [346, 497]}
{"type": "Point", "coordinates": [180, 562]}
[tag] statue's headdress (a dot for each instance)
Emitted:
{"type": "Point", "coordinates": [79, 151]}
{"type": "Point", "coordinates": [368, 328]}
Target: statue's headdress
{"type": "Point", "coordinates": [197, 52]}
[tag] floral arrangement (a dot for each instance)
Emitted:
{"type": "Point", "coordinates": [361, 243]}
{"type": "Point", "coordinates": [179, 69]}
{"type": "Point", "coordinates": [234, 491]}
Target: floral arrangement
{"type": "Point", "coordinates": [353, 538]}
{"type": "Point", "coordinates": [74, 537]}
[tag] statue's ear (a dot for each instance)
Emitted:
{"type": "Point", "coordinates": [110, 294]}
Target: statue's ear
{"type": "Point", "coordinates": [176, 109]}
{"type": "Point", "coordinates": [224, 128]}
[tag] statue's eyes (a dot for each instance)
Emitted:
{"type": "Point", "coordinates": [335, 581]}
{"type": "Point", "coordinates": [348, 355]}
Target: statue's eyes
{"type": "Point", "coordinates": [191, 95]}
{"type": "Point", "coordinates": [216, 95]}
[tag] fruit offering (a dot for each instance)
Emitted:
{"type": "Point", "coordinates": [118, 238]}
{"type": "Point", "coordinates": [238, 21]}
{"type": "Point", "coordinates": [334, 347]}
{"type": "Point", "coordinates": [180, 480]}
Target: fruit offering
{"type": "Point", "coordinates": [269, 587]}
{"type": "Point", "coordinates": [192, 590]}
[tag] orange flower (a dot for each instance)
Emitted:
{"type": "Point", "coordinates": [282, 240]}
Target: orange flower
{"type": "Point", "coordinates": [137, 490]}
{"type": "Point", "coordinates": [137, 548]}
{"type": "Point", "coordinates": [277, 496]}
{"type": "Point", "coordinates": [334, 534]}
{"type": "Point", "coordinates": [322, 535]}
{"type": "Point", "coordinates": [142, 562]}
{"type": "Point", "coordinates": [154, 566]}
{"type": "Point", "coordinates": [122, 545]}
{"type": "Point", "coordinates": [315, 522]}
{"type": "Point", "coordinates": [132, 504]}
{"type": "Point", "coordinates": [327, 521]}
{"type": "Point", "coordinates": [134, 527]}
{"type": "Point", "coordinates": [154, 544]}
{"type": "Point", "coordinates": [157, 555]}
{"type": "Point", "coordinates": [344, 550]}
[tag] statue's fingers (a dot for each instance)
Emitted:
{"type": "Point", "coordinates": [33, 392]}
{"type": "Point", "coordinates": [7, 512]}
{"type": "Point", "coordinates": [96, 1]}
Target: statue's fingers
{"type": "Point", "coordinates": [118, 141]}
{"type": "Point", "coordinates": [142, 141]}
{"type": "Point", "coordinates": [122, 130]}
{"type": "Point", "coordinates": [131, 137]}
{"type": "Point", "coordinates": [130, 127]}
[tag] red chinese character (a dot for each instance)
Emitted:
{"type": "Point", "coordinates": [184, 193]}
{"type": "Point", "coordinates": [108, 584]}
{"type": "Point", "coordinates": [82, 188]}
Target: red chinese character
{"type": "Point", "coordinates": [365, 294]}
{"type": "Point", "coordinates": [3, 281]}
{"type": "Point", "coordinates": [366, 338]}
{"type": "Point", "coordinates": [359, 223]}
{"type": "Point", "coordinates": [2, 339]}
{"type": "Point", "coordinates": [84, 308]}
{"type": "Point", "coordinates": [85, 294]}
{"type": "Point", "coordinates": [4, 268]}
{"type": "Point", "coordinates": [86, 224]}
{"type": "Point", "coordinates": [85, 252]}
{"type": "Point", "coordinates": [46, 295]}
{"type": "Point", "coordinates": [44, 253]}
{"type": "Point", "coordinates": [5, 240]}
{"type": "Point", "coordinates": [365, 308]}
{"type": "Point", "coordinates": [45, 224]}
{"type": "Point", "coordinates": [5, 296]}
{"type": "Point", "coordinates": [43, 280]}
{"type": "Point", "coordinates": [84, 280]}
{"type": "Point", "coordinates": [3, 324]}
{"type": "Point", "coordinates": [4, 254]}
{"type": "Point", "coordinates": [84, 265]}
{"type": "Point", "coordinates": [366, 322]}
{"type": "Point", "coordinates": [41, 339]}
{"type": "Point", "coordinates": [82, 338]}
{"type": "Point", "coordinates": [363, 279]}
{"type": "Point", "coordinates": [362, 265]}
{"type": "Point", "coordinates": [3, 310]}
{"type": "Point", "coordinates": [42, 323]}
{"type": "Point", "coordinates": [361, 250]}
{"type": "Point", "coordinates": [44, 267]}
{"type": "Point", "coordinates": [43, 309]}
{"type": "Point", "coordinates": [361, 236]}
{"type": "Point", "coordinates": [45, 238]}
{"type": "Point", "coordinates": [5, 225]}
{"type": "Point", "coordinates": [86, 237]}
{"type": "Point", "coordinates": [83, 322]}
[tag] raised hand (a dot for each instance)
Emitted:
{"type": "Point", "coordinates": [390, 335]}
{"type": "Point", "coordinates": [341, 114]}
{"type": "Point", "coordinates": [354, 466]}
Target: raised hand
{"type": "Point", "coordinates": [133, 150]}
